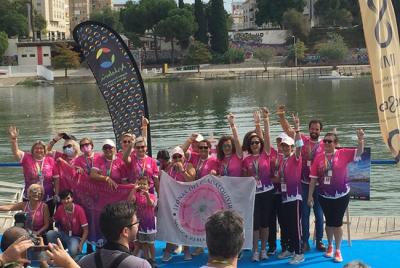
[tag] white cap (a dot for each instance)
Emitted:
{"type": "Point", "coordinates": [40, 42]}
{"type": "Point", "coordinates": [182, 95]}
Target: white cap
{"type": "Point", "coordinates": [199, 138]}
{"type": "Point", "coordinates": [282, 135]}
{"type": "Point", "coordinates": [177, 150]}
{"type": "Point", "coordinates": [108, 142]}
{"type": "Point", "coordinates": [287, 140]}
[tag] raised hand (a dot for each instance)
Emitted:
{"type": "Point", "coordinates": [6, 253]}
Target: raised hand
{"type": "Point", "coordinates": [13, 132]}
{"type": "Point", "coordinates": [296, 121]}
{"type": "Point", "coordinates": [256, 116]}
{"type": "Point", "coordinates": [145, 121]}
{"type": "Point", "coordinates": [231, 119]}
{"type": "Point", "coordinates": [265, 112]}
{"type": "Point", "coordinates": [360, 134]}
{"type": "Point", "coordinates": [280, 110]}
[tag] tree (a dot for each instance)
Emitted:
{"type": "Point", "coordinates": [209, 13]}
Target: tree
{"type": "Point", "coordinates": [217, 26]}
{"type": "Point", "coordinates": [181, 4]}
{"type": "Point", "coordinates": [11, 21]}
{"type": "Point", "coordinates": [333, 12]}
{"type": "Point", "coordinates": [334, 49]}
{"type": "Point", "coordinates": [198, 53]}
{"type": "Point", "coordinates": [272, 10]}
{"type": "Point", "coordinates": [66, 58]}
{"type": "Point", "coordinates": [3, 44]}
{"type": "Point", "coordinates": [264, 54]}
{"type": "Point", "coordinates": [199, 14]}
{"type": "Point", "coordinates": [296, 23]}
{"type": "Point", "coordinates": [297, 51]}
{"type": "Point", "coordinates": [108, 17]}
{"type": "Point", "coordinates": [179, 25]}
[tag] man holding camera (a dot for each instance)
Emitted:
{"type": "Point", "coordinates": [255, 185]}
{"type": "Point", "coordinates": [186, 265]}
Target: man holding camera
{"type": "Point", "coordinates": [72, 224]}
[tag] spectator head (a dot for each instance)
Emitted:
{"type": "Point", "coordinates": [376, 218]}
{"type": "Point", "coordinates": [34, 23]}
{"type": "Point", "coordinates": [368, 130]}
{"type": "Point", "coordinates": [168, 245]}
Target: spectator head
{"type": "Point", "coordinates": [224, 234]}
{"type": "Point", "coordinates": [39, 149]}
{"type": "Point", "coordinates": [226, 144]}
{"type": "Point", "coordinates": [118, 221]}
{"type": "Point", "coordinates": [67, 199]}
{"type": "Point", "coordinates": [356, 264]}
{"type": "Point", "coordinates": [11, 235]}
{"type": "Point", "coordinates": [35, 192]}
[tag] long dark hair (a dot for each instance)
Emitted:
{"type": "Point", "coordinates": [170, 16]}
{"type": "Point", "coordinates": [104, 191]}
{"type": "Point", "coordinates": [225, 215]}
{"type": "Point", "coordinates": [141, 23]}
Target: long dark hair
{"type": "Point", "coordinates": [222, 140]}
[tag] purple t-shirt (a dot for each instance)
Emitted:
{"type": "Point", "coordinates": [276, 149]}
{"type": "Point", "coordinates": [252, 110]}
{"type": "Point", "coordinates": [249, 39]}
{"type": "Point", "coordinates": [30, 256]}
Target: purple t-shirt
{"type": "Point", "coordinates": [290, 173]}
{"type": "Point", "coordinates": [331, 172]}
{"type": "Point", "coordinates": [259, 167]}
{"type": "Point", "coordinates": [308, 153]}
{"type": "Point", "coordinates": [145, 213]}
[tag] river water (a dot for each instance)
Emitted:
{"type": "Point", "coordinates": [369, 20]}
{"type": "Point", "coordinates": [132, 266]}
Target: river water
{"type": "Point", "coordinates": [179, 108]}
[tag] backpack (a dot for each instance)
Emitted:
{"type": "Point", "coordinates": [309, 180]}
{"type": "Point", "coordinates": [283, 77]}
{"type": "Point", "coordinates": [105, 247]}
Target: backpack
{"type": "Point", "coordinates": [114, 264]}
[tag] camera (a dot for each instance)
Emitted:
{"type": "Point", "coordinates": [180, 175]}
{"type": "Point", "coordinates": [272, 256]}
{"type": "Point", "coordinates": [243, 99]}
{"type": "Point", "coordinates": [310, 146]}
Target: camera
{"type": "Point", "coordinates": [37, 253]}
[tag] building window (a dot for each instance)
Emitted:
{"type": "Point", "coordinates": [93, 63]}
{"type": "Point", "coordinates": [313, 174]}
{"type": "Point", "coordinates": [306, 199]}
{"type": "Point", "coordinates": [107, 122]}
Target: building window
{"type": "Point", "coordinates": [45, 55]}
{"type": "Point", "coordinates": [32, 55]}
{"type": "Point", "coordinates": [24, 55]}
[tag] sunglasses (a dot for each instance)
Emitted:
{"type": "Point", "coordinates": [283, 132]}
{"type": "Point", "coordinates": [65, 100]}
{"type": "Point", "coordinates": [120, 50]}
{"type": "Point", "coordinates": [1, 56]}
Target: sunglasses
{"type": "Point", "coordinates": [177, 156]}
{"type": "Point", "coordinates": [203, 147]}
{"type": "Point", "coordinates": [107, 147]}
{"type": "Point", "coordinates": [328, 141]}
{"type": "Point", "coordinates": [126, 141]}
{"type": "Point", "coordinates": [255, 142]}
{"type": "Point", "coordinates": [67, 146]}
{"type": "Point", "coordinates": [140, 147]}
{"type": "Point", "coordinates": [84, 144]}
{"type": "Point", "coordinates": [227, 145]}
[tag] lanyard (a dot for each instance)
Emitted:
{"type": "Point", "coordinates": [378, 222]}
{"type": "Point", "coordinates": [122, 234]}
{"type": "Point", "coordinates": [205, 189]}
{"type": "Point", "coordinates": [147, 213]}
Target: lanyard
{"type": "Point", "coordinates": [34, 212]}
{"type": "Point", "coordinates": [39, 169]}
{"type": "Point", "coordinates": [88, 164]}
{"type": "Point", "coordinates": [255, 167]}
{"type": "Point", "coordinates": [226, 166]}
{"type": "Point", "coordinates": [108, 170]}
{"type": "Point", "coordinates": [283, 167]}
{"type": "Point", "coordinates": [173, 173]}
{"type": "Point", "coordinates": [200, 166]}
{"type": "Point", "coordinates": [141, 168]}
{"type": "Point", "coordinates": [329, 163]}
{"type": "Point", "coordinates": [313, 151]}
{"type": "Point", "coordinates": [70, 217]}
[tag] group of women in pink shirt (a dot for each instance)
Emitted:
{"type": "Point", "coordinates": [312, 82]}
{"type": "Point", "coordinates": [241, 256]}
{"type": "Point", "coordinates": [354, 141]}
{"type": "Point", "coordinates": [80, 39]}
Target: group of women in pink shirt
{"type": "Point", "coordinates": [276, 171]}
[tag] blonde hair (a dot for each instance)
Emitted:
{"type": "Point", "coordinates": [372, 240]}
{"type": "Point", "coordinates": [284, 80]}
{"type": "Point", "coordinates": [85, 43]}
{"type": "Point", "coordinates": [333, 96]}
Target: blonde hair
{"type": "Point", "coordinates": [35, 185]}
{"type": "Point", "coordinates": [140, 139]}
{"type": "Point", "coordinates": [75, 145]}
{"type": "Point", "coordinates": [41, 143]}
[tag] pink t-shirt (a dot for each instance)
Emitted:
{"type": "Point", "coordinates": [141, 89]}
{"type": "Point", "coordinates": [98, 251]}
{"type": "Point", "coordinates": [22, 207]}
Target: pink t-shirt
{"type": "Point", "coordinates": [35, 216]}
{"type": "Point", "coordinates": [203, 167]}
{"type": "Point", "coordinates": [331, 172]}
{"type": "Point", "coordinates": [58, 154]}
{"type": "Point", "coordinates": [86, 163]}
{"type": "Point", "coordinates": [146, 213]}
{"type": "Point", "coordinates": [178, 176]}
{"type": "Point", "coordinates": [125, 169]}
{"type": "Point", "coordinates": [111, 168]}
{"type": "Point", "coordinates": [274, 162]}
{"type": "Point", "coordinates": [259, 167]}
{"type": "Point", "coordinates": [308, 152]}
{"type": "Point", "coordinates": [71, 221]}
{"type": "Point", "coordinates": [289, 171]}
{"type": "Point", "coordinates": [146, 166]}
{"type": "Point", "coordinates": [39, 171]}
{"type": "Point", "coordinates": [231, 166]}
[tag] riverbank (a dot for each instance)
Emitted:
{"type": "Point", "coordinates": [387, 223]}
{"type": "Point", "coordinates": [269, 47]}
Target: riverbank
{"type": "Point", "coordinates": [212, 72]}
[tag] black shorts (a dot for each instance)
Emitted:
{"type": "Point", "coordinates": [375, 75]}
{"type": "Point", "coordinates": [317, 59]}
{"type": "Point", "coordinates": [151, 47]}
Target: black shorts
{"type": "Point", "coordinates": [334, 209]}
{"type": "Point", "coordinates": [262, 209]}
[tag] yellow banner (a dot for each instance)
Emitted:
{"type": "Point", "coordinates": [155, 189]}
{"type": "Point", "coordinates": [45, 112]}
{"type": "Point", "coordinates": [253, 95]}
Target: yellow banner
{"type": "Point", "coordinates": [382, 39]}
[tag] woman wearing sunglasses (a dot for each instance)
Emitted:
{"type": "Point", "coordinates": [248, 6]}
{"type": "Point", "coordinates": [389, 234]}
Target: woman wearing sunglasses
{"type": "Point", "coordinates": [70, 148]}
{"type": "Point", "coordinates": [37, 167]}
{"type": "Point", "coordinates": [257, 165]}
{"type": "Point", "coordinates": [229, 152]}
{"type": "Point", "coordinates": [107, 167]}
{"type": "Point", "coordinates": [329, 169]}
{"type": "Point", "coordinates": [139, 164]}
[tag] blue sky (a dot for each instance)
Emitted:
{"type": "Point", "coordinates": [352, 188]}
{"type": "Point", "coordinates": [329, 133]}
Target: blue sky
{"type": "Point", "coordinates": [227, 3]}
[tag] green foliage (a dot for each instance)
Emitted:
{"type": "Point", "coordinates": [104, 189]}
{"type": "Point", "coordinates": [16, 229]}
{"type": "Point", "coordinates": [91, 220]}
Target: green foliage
{"type": "Point", "coordinates": [3, 43]}
{"type": "Point", "coordinates": [198, 53]}
{"type": "Point", "coordinates": [39, 23]}
{"type": "Point", "coordinates": [296, 23]}
{"type": "Point", "coordinates": [337, 12]}
{"type": "Point", "coordinates": [65, 58]}
{"type": "Point", "coordinates": [199, 13]}
{"type": "Point", "coordinates": [264, 54]}
{"type": "Point", "coordinates": [108, 17]}
{"type": "Point", "coordinates": [217, 26]}
{"type": "Point", "coordinates": [12, 21]}
{"type": "Point", "coordinates": [334, 49]}
{"type": "Point", "coordinates": [297, 51]}
{"type": "Point", "coordinates": [181, 4]}
{"type": "Point", "coordinates": [232, 55]}
{"type": "Point", "coordinates": [272, 10]}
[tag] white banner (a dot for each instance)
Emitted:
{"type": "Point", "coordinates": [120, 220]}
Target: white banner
{"type": "Point", "coordinates": [183, 208]}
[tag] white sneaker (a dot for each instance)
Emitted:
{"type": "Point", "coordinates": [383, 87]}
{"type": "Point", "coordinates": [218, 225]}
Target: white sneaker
{"type": "Point", "coordinates": [256, 256]}
{"type": "Point", "coordinates": [285, 254]}
{"type": "Point", "coordinates": [263, 255]}
{"type": "Point", "coordinates": [297, 258]}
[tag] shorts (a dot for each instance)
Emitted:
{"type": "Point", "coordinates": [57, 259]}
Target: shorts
{"type": "Point", "coordinates": [146, 238]}
{"type": "Point", "coordinates": [262, 209]}
{"type": "Point", "coordinates": [334, 209]}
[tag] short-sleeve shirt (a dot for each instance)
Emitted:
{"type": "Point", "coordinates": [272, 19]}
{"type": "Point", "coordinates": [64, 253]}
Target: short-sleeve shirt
{"type": "Point", "coordinates": [309, 151]}
{"type": "Point", "coordinates": [336, 185]}
{"type": "Point", "coordinates": [146, 166]}
{"type": "Point", "coordinates": [39, 171]}
{"type": "Point", "coordinates": [259, 167]}
{"type": "Point", "coordinates": [108, 256]}
{"type": "Point", "coordinates": [145, 213]}
{"type": "Point", "coordinates": [289, 171]}
{"type": "Point", "coordinates": [71, 221]}
{"type": "Point", "coordinates": [112, 168]}
{"type": "Point", "coordinates": [230, 166]}
{"type": "Point", "coordinates": [35, 219]}
{"type": "Point", "coordinates": [86, 163]}
{"type": "Point", "coordinates": [203, 166]}
{"type": "Point", "coordinates": [176, 175]}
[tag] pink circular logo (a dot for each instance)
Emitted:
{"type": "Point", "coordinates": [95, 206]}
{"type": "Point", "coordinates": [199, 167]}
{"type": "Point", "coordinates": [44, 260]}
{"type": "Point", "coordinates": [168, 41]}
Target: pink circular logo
{"type": "Point", "coordinates": [197, 206]}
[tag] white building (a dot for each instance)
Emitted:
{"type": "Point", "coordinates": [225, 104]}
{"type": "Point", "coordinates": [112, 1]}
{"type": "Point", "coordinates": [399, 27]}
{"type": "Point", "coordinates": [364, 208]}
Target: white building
{"type": "Point", "coordinates": [237, 16]}
{"type": "Point", "coordinates": [53, 11]}
{"type": "Point", "coordinates": [33, 54]}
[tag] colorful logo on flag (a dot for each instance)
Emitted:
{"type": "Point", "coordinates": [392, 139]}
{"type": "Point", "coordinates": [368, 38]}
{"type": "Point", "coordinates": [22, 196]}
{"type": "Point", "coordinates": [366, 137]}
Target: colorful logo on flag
{"type": "Point", "coordinates": [105, 57]}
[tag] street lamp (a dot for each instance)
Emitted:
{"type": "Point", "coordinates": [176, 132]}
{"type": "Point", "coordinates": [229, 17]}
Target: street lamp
{"type": "Point", "coordinates": [295, 50]}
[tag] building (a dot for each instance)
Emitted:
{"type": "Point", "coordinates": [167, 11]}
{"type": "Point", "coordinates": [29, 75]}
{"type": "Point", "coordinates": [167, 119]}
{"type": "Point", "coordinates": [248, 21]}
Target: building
{"type": "Point", "coordinates": [53, 11]}
{"type": "Point", "coordinates": [79, 11]}
{"type": "Point", "coordinates": [309, 11]}
{"type": "Point", "coordinates": [118, 7]}
{"type": "Point", "coordinates": [33, 54]}
{"type": "Point", "coordinates": [249, 14]}
{"type": "Point", "coordinates": [237, 16]}
{"type": "Point", "coordinates": [97, 5]}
